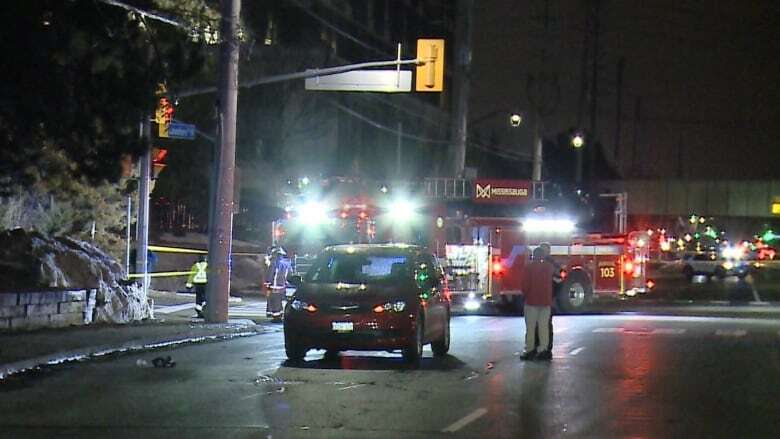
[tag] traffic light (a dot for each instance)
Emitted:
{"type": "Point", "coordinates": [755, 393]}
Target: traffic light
{"type": "Point", "coordinates": [158, 161]}
{"type": "Point", "coordinates": [430, 71]}
{"type": "Point", "coordinates": [158, 164]}
{"type": "Point", "coordinates": [163, 116]}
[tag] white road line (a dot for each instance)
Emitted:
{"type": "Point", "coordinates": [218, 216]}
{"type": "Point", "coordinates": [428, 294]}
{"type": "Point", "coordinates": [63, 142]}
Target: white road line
{"type": "Point", "coordinates": [351, 387]}
{"type": "Point", "coordinates": [170, 309]}
{"type": "Point", "coordinates": [669, 331]}
{"type": "Point", "coordinates": [466, 420]}
{"type": "Point", "coordinates": [254, 395]}
{"type": "Point", "coordinates": [731, 332]}
{"type": "Point", "coordinates": [608, 330]}
{"type": "Point", "coordinates": [577, 351]}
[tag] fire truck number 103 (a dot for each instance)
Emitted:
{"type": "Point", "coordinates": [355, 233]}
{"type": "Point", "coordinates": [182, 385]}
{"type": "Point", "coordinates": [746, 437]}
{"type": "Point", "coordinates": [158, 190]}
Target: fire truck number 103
{"type": "Point", "coordinates": [607, 272]}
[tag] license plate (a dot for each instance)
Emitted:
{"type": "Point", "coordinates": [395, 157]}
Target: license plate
{"type": "Point", "coordinates": [342, 326]}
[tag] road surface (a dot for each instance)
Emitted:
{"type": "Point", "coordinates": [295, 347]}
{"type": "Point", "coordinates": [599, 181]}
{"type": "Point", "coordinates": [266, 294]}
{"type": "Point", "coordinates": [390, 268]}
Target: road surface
{"type": "Point", "coordinates": [611, 376]}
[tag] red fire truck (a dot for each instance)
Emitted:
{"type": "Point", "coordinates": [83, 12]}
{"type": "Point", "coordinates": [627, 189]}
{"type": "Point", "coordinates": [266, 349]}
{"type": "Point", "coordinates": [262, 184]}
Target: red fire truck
{"type": "Point", "coordinates": [483, 231]}
{"type": "Point", "coordinates": [486, 267]}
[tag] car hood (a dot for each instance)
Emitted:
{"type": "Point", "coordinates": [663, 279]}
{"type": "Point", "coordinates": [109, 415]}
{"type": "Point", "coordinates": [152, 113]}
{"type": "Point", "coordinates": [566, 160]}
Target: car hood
{"type": "Point", "coordinates": [368, 295]}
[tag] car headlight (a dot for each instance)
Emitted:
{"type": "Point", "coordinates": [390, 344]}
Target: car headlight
{"type": "Point", "coordinates": [397, 306]}
{"type": "Point", "coordinates": [299, 305]}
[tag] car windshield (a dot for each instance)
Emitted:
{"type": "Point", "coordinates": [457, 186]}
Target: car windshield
{"type": "Point", "coordinates": [358, 268]}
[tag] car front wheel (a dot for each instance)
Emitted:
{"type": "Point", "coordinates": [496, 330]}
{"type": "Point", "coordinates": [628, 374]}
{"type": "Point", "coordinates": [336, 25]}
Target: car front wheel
{"type": "Point", "coordinates": [442, 346]}
{"type": "Point", "coordinates": [292, 347]}
{"type": "Point", "coordinates": [413, 352]}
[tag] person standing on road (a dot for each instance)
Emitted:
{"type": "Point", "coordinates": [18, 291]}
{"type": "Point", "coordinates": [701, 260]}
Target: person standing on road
{"type": "Point", "coordinates": [537, 283]}
{"type": "Point", "coordinates": [276, 282]}
{"type": "Point", "coordinates": [199, 278]}
{"type": "Point", "coordinates": [557, 279]}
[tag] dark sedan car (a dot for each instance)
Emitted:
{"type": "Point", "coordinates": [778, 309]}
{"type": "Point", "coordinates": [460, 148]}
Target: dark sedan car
{"type": "Point", "coordinates": [370, 297]}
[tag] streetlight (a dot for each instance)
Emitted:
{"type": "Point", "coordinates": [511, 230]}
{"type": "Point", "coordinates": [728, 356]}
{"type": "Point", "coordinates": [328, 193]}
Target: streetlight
{"type": "Point", "coordinates": [515, 119]}
{"type": "Point", "coordinates": [578, 141]}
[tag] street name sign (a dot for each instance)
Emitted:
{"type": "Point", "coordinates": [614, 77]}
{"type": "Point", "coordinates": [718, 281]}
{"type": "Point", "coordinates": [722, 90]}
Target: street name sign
{"type": "Point", "coordinates": [179, 130]}
{"type": "Point", "coordinates": [385, 81]}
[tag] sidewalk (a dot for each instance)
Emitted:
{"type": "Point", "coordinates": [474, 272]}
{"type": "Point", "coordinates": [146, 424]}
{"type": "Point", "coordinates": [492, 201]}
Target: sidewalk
{"type": "Point", "coordinates": [22, 351]}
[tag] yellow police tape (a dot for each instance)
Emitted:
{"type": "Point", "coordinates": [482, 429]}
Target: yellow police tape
{"type": "Point", "coordinates": [161, 274]}
{"type": "Point", "coordinates": [164, 249]}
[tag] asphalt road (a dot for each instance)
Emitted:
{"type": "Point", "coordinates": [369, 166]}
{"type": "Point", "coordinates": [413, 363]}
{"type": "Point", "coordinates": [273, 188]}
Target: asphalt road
{"type": "Point", "coordinates": [611, 376]}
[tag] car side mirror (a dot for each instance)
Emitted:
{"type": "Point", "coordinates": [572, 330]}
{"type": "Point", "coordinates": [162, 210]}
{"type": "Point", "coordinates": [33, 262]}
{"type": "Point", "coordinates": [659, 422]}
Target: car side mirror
{"type": "Point", "coordinates": [295, 280]}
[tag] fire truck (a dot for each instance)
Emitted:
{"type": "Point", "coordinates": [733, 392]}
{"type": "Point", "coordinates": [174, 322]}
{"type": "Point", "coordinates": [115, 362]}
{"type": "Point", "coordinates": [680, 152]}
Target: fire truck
{"type": "Point", "coordinates": [488, 269]}
{"type": "Point", "coordinates": [483, 232]}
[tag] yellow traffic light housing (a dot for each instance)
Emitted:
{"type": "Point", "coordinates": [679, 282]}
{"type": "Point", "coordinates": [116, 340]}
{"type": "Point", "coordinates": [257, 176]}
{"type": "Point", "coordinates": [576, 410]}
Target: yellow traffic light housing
{"type": "Point", "coordinates": [163, 116]}
{"type": "Point", "coordinates": [430, 70]}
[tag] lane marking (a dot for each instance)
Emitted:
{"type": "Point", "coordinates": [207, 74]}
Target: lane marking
{"type": "Point", "coordinates": [577, 351]}
{"type": "Point", "coordinates": [669, 331]}
{"type": "Point", "coordinates": [731, 332]}
{"type": "Point", "coordinates": [351, 387]}
{"type": "Point", "coordinates": [254, 395]}
{"type": "Point", "coordinates": [611, 330]}
{"type": "Point", "coordinates": [466, 420]}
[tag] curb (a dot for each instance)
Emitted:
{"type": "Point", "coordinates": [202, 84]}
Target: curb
{"type": "Point", "coordinates": [141, 345]}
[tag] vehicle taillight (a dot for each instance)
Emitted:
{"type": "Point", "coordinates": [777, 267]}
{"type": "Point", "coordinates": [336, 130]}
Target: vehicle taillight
{"type": "Point", "coordinates": [563, 274]}
{"type": "Point", "coordinates": [311, 308]}
{"type": "Point", "coordinates": [650, 284]}
{"type": "Point", "coordinates": [498, 267]}
{"type": "Point", "coordinates": [379, 309]}
{"type": "Point", "coordinates": [628, 267]}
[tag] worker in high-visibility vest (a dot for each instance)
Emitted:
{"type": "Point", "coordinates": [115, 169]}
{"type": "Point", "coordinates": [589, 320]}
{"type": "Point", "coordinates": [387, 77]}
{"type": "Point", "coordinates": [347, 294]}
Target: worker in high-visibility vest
{"type": "Point", "coordinates": [199, 278]}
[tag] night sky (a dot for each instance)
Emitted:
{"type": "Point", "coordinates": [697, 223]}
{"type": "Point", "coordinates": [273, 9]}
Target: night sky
{"type": "Point", "coordinates": [706, 73]}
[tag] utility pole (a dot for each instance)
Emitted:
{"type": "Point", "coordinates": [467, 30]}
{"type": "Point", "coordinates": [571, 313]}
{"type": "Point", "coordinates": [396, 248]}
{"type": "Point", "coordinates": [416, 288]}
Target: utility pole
{"type": "Point", "coordinates": [581, 103]}
{"type": "Point", "coordinates": [398, 149]}
{"type": "Point", "coordinates": [637, 129]}
{"type": "Point", "coordinates": [543, 93]}
{"type": "Point", "coordinates": [461, 88]}
{"type": "Point", "coordinates": [221, 231]}
{"type": "Point", "coordinates": [594, 89]}
{"type": "Point", "coordinates": [619, 105]}
{"type": "Point", "coordinates": [142, 244]}
{"type": "Point", "coordinates": [680, 156]}
{"type": "Point", "coordinates": [536, 170]}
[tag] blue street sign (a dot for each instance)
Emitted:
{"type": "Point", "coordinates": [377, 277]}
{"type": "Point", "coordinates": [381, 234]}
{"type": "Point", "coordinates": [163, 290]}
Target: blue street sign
{"type": "Point", "coordinates": [178, 130]}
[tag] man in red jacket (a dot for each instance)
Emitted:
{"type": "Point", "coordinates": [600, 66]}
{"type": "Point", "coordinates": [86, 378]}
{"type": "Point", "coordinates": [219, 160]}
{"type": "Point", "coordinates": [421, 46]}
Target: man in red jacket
{"type": "Point", "coordinates": [537, 284]}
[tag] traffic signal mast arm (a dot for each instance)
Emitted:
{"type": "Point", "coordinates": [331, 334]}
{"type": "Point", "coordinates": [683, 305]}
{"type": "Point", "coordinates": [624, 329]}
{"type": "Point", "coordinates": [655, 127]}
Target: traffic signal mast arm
{"type": "Point", "coordinates": [313, 73]}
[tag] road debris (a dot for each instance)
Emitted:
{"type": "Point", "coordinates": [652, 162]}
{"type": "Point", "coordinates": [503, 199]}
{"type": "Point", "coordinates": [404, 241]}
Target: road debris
{"type": "Point", "coordinates": [163, 362]}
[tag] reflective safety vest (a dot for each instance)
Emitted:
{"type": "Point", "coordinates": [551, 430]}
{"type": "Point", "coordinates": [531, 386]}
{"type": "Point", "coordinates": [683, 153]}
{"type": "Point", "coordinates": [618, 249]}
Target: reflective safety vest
{"type": "Point", "coordinates": [198, 275]}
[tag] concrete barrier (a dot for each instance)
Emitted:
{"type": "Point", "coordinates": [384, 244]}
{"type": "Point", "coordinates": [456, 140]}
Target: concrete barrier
{"type": "Point", "coordinates": [46, 309]}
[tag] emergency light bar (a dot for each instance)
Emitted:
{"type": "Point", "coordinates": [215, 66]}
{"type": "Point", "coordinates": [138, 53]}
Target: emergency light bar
{"type": "Point", "coordinates": [557, 225]}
